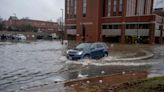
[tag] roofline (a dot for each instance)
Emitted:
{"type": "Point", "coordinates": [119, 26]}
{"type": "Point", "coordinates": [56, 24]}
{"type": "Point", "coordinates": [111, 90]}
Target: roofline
{"type": "Point", "coordinates": [40, 21]}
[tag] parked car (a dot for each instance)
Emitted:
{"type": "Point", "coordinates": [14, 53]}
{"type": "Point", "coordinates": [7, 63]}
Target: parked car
{"type": "Point", "coordinates": [88, 51]}
{"type": "Point", "coordinates": [20, 37]}
{"type": "Point", "coordinates": [54, 36]}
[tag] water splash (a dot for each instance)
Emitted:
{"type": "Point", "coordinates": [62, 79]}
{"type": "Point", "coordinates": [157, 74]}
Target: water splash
{"type": "Point", "coordinates": [112, 63]}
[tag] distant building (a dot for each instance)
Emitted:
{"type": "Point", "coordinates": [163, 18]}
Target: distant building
{"type": "Point", "coordinates": [40, 26]}
{"type": "Point", "coordinates": [159, 11]}
{"type": "Point", "coordinates": [113, 21]}
{"type": "Point", "coordinates": [1, 20]}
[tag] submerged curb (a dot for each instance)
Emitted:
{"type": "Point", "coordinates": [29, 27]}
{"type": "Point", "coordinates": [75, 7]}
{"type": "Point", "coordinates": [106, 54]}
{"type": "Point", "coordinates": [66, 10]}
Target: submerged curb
{"type": "Point", "coordinates": [105, 81]}
{"type": "Point", "coordinates": [148, 55]}
{"type": "Point", "coordinates": [116, 61]}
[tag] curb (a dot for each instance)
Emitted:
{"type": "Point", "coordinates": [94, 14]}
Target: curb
{"type": "Point", "coordinates": [148, 55]}
{"type": "Point", "coordinates": [110, 61]}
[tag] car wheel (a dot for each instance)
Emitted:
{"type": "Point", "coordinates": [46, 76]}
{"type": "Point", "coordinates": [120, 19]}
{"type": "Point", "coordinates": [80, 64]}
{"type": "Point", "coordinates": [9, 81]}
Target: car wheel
{"type": "Point", "coordinates": [86, 57]}
{"type": "Point", "coordinates": [106, 54]}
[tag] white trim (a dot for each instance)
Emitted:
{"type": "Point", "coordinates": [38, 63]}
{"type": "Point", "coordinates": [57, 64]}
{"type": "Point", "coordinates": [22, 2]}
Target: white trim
{"type": "Point", "coordinates": [128, 23]}
{"type": "Point", "coordinates": [137, 32]}
{"type": "Point", "coordinates": [86, 23]}
{"type": "Point", "coordinates": [111, 32]}
{"type": "Point", "coordinates": [157, 33]}
{"type": "Point", "coordinates": [71, 31]}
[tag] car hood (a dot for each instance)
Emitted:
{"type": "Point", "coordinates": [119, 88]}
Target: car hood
{"type": "Point", "coordinates": [75, 50]}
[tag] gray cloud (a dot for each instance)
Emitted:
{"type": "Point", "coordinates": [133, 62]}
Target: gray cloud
{"type": "Point", "coordinates": [39, 9]}
{"type": "Point", "coordinates": [158, 3]}
{"type": "Point", "coordinates": [34, 9]}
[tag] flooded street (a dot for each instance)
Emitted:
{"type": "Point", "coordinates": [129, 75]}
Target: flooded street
{"type": "Point", "coordinates": [28, 65]}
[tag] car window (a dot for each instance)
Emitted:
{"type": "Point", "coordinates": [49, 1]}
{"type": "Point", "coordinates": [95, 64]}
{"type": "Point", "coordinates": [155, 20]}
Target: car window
{"type": "Point", "coordinates": [83, 45]}
{"type": "Point", "coordinates": [99, 46]}
{"type": "Point", "coordinates": [93, 46]}
{"type": "Point", "coordinates": [105, 45]}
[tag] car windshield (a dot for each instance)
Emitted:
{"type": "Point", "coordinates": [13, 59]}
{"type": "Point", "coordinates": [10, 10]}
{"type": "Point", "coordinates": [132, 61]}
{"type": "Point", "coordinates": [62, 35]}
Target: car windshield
{"type": "Point", "coordinates": [83, 45]}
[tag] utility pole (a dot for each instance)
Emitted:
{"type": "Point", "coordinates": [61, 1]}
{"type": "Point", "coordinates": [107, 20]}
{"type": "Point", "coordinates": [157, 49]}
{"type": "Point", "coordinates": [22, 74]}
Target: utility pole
{"type": "Point", "coordinates": [138, 26]}
{"type": "Point", "coordinates": [14, 21]}
{"type": "Point", "coordinates": [62, 26]}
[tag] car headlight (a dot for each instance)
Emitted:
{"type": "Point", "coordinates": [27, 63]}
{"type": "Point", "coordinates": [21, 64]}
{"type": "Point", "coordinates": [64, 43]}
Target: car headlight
{"type": "Point", "coordinates": [80, 53]}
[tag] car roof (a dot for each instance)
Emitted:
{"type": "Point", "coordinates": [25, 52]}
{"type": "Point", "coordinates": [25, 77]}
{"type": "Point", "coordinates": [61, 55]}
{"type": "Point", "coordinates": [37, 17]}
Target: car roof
{"type": "Point", "coordinates": [95, 42]}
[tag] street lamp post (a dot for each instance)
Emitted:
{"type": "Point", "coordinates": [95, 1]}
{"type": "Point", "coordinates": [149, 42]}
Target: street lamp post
{"type": "Point", "coordinates": [62, 26]}
{"type": "Point", "coordinates": [138, 27]}
{"type": "Point", "coordinates": [137, 32]}
{"type": "Point", "coordinates": [14, 25]}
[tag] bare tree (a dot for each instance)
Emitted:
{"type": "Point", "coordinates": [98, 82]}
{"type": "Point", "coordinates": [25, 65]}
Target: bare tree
{"type": "Point", "coordinates": [2, 26]}
{"type": "Point", "coordinates": [59, 21]}
{"type": "Point", "coordinates": [1, 19]}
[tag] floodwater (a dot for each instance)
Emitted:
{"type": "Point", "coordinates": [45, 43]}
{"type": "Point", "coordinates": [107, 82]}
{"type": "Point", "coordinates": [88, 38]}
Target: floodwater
{"type": "Point", "coordinates": [25, 65]}
{"type": "Point", "coordinates": [30, 65]}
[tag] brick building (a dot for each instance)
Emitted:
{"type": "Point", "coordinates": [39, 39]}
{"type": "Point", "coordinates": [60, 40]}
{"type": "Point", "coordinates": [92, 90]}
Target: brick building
{"type": "Point", "coordinates": [41, 26]}
{"type": "Point", "coordinates": [113, 21]}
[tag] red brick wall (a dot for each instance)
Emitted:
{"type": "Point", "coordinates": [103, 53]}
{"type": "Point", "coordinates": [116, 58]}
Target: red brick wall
{"type": "Point", "coordinates": [128, 19]}
{"type": "Point", "coordinates": [91, 21]}
{"type": "Point", "coordinates": [94, 19]}
{"type": "Point", "coordinates": [43, 25]}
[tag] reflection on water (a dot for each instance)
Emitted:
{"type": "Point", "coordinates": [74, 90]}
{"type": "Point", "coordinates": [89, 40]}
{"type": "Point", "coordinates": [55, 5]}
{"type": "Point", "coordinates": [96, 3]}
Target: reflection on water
{"type": "Point", "coordinates": [26, 65]}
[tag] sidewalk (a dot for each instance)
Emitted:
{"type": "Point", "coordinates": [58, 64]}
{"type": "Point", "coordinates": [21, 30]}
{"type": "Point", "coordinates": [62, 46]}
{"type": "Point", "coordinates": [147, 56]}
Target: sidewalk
{"type": "Point", "coordinates": [103, 83]}
{"type": "Point", "coordinates": [142, 54]}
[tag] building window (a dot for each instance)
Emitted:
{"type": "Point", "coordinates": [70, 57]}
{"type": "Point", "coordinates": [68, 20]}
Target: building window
{"type": "Point", "coordinates": [109, 7]}
{"type": "Point", "coordinates": [75, 8]}
{"type": "Point", "coordinates": [114, 26]}
{"type": "Point", "coordinates": [103, 7]}
{"type": "Point", "coordinates": [71, 27]}
{"type": "Point", "coordinates": [131, 26]}
{"type": "Point", "coordinates": [84, 8]}
{"type": "Point", "coordinates": [68, 7]}
{"type": "Point", "coordinates": [111, 26]}
{"type": "Point", "coordinates": [120, 7]}
{"type": "Point", "coordinates": [72, 8]}
{"type": "Point", "coordinates": [137, 26]}
{"type": "Point", "coordinates": [143, 26]}
{"type": "Point", "coordinates": [115, 8]}
{"type": "Point", "coordinates": [140, 7]}
{"type": "Point", "coordinates": [107, 27]}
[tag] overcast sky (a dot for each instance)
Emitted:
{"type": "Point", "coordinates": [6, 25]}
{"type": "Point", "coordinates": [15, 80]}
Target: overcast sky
{"type": "Point", "coordinates": [38, 9]}
{"type": "Point", "coordinates": [34, 9]}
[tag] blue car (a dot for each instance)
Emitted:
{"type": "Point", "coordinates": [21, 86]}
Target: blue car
{"type": "Point", "coordinates": [88, 51]}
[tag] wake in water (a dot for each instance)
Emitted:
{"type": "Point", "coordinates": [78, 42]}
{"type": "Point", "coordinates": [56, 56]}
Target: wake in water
{"type": "Point", "coordinates": [110, 61]}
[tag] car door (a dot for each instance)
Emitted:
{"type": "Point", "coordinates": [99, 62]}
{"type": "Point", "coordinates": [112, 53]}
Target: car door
{"type": "Point", "coordinates": [93, 51]}
{"type": "Point", "coordinates": [100, 50]}
{"type": "Point", "coordinates": [96, 51]}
